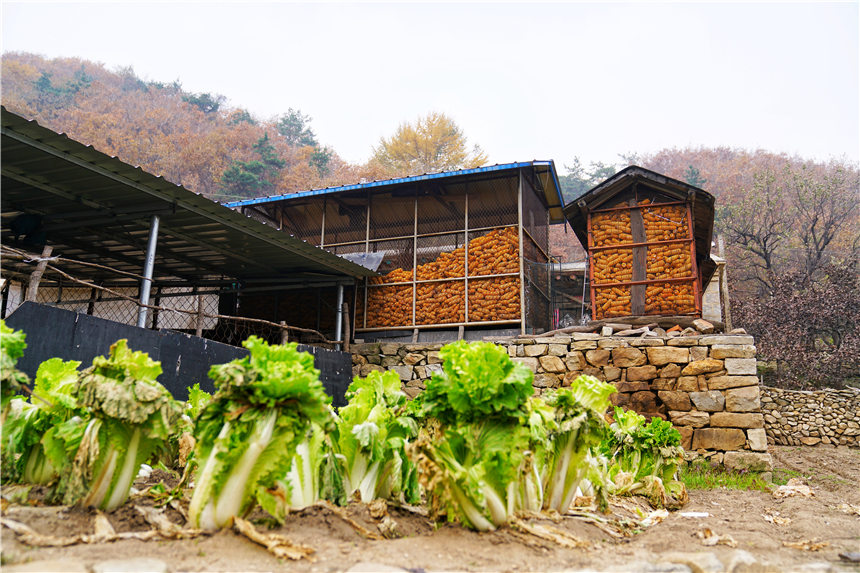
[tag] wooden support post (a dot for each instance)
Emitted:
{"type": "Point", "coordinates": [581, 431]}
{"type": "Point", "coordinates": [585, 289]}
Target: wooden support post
{"type": "Point", "coordinates": [414, 335]}
{"type": "Point", "coordinates": [640, 264]}
{"type": "Point", "coordinates": [285, 334]}
{"type": "Point", "coordinates": [725, 301]}
{"type": "Point", "coordinates": [199, 330]}
{"type": "Point", "coordinates": [91, 307]}
{"type": "Point", "coordinates": [460, 330]}
{"type": "Point", "coordinates": [346, 334]}
{"type": "Point", "coordinates": [36, 277]}
{"type": "Point", "coordinates": [4, 295]}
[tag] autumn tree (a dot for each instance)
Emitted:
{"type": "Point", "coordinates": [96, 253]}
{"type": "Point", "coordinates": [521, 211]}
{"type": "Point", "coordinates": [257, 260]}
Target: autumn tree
{"type": "Point", "coordinates": [825, 204]}
{"type": "Point", "coordinates": [241, 116]}
{"type": "Point", "coordinates": [809, 328]}
{"type": "Point", "coordinates": [759, 224]}
{"type": "Point", "coordinates": [431, 144]}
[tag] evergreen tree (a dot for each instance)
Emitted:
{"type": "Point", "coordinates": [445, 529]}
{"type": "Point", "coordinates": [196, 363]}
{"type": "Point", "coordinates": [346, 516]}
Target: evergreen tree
{"type": "Point", "coordinates": [694, 178]}
{"type": "Point", "coordinates": [252, 178]}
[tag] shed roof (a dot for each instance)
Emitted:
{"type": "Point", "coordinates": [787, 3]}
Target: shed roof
{"type": "Point", "coordinates": [544, 171]}
{"type": "Point", "coordinates": [599, 196]}
{"type": "Point", "coordinates": [96, 208]}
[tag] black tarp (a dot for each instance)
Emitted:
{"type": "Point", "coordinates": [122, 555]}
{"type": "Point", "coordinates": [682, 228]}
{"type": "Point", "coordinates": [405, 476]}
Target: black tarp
{"type": "Point", "coordinates": [185, 359]}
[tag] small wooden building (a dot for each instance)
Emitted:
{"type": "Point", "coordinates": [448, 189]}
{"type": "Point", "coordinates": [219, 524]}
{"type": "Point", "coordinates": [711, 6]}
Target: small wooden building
{"type": "Point", "coordinates": [648, 239]}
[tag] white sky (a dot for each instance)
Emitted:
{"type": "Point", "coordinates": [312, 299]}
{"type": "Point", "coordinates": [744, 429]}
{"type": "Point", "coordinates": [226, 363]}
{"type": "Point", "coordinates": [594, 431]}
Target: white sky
{"type": "Point", "coordinates": [525, 81]}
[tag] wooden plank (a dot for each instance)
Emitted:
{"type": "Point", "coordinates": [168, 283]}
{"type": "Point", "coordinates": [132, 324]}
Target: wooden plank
{"type": "Point", "coordinates": [697, 282]}
{"type": "Point", "coordinates": [631, 245]}
{"type": "Point", "coordinates": [664, 322]}
{"type": "Point", "coordinates": [637, 229]}
{"type": "Point", "coordinates": [639, 206]}
{"type": "Point", "coordinates": [36, 277]}
{"type": "Point", "coordinates": [591, 268]}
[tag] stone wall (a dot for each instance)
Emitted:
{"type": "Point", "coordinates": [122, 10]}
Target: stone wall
{"type": "Point", "coordinates": [705, 385]}
{"type": "Point", "coordinates": [794, 418]}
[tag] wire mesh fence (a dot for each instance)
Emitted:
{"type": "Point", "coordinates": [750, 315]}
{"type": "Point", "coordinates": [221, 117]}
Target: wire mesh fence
{"type": "Point", "coordinates": [229, 315]}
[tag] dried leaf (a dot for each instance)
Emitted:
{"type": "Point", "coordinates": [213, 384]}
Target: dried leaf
{"type": "Point", "coordinates": [549, 533]}
{"type": "Point", "coordinates": [807, 545]}
{"type": "Point", "coordinates": [848, 508]}
{"type": "Point", "coordinates": [341, 513]}
{"type": "Point", "coordinates": [378, 508]}
{"type": "Point", "coordinates": [277, 545]}
{"type": "Point", "coordinates": [155, 517]}
{"type": "Point", "coordinates": [389, 528]}
{"type": "Point", "coordinates": [655, 517]}
{"type": "Point", "coordinates": [186, 446]}
{"type": "Point", "coordinates": [773, 517]}
{"type": "Point", "coordinates": [28, 536]}
{"type": "Point", "coordinates": [710, 539]}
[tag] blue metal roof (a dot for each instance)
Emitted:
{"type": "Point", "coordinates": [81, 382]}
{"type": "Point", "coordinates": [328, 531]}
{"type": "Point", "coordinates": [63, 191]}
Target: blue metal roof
{"type": "Point", "coordinates": [554, 200]}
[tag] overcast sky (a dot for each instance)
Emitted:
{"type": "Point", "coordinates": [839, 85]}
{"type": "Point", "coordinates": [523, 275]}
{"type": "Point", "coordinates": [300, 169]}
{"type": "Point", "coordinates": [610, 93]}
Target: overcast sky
{"type": "Point", "coordinates": [525, 81]}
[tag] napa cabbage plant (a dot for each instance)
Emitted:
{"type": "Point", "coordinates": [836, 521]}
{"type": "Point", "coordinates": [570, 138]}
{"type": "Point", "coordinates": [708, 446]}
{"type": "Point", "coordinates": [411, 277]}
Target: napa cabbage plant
{"type": "Point", "coordinates": [12, 380]}
{"type": "Point", "coordinates": [475, 438]}
{"type": "Point", "coordinates": [262, 409]}
{"type": "Point", "coordinates": [128, 416]}
{"type": "Point", "coordinates": [644, 459]}
{"type": "Point", "coordinates": [371, 439]}
{"type": "Point", "coordinates": [31, 423]}
{"type": "Point", "coordinates": [577, 426]}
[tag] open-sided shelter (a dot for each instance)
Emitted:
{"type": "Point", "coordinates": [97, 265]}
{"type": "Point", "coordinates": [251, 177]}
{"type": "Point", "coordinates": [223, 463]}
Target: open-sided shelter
{"type": "Point", "coordinates": [112, 223]}
{"type": "Point", "coordinates": [453, 249]}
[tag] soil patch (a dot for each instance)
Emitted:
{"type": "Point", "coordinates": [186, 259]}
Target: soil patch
{"type": "Point", "coordinates": [833, 475]}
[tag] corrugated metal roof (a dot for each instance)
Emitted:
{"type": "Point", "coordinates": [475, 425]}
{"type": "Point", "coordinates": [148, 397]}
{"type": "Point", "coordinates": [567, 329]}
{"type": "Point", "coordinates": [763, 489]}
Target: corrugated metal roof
{"type": "Point", "coordinates": [552, 189]}
{"type": "Point", "coordinates": [96, 208]}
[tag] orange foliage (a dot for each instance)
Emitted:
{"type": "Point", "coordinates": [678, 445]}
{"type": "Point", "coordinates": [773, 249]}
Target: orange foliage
{"type": "Point", "coordinates": [149, 124]}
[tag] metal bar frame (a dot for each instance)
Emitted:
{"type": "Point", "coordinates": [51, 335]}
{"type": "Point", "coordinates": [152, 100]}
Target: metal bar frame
{"type": "Point", "coordinates": [522, 245]}
{"type": "Point", "coordinates": [421, 235]}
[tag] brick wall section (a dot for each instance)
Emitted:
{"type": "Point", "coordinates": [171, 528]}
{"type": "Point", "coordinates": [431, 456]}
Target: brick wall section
{"type": "Point", "coordinates": [794, 418]}
{"type": "Point", "coordinates": [705, 385]}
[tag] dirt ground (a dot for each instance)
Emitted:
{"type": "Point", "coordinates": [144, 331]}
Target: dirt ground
{"type": "Point", "coordinates": [832, 473]}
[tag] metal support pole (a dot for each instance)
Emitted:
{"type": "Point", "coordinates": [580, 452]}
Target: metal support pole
{"type": "Point", "coordinates": [147, 271]}
{"type": "Point", "coordinates": [522, 252]}
{"type": "Point", "coordinates": [338, 321]}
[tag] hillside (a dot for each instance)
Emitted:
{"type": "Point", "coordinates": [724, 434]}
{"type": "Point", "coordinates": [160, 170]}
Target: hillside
{"type": "Point", "coordinates": [192, 139]}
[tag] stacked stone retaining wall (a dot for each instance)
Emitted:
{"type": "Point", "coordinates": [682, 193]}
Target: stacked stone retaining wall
{"type": "Point", "coordinates": [828, 416]}
{"type": "Point", "coordinates": [705, 385]}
